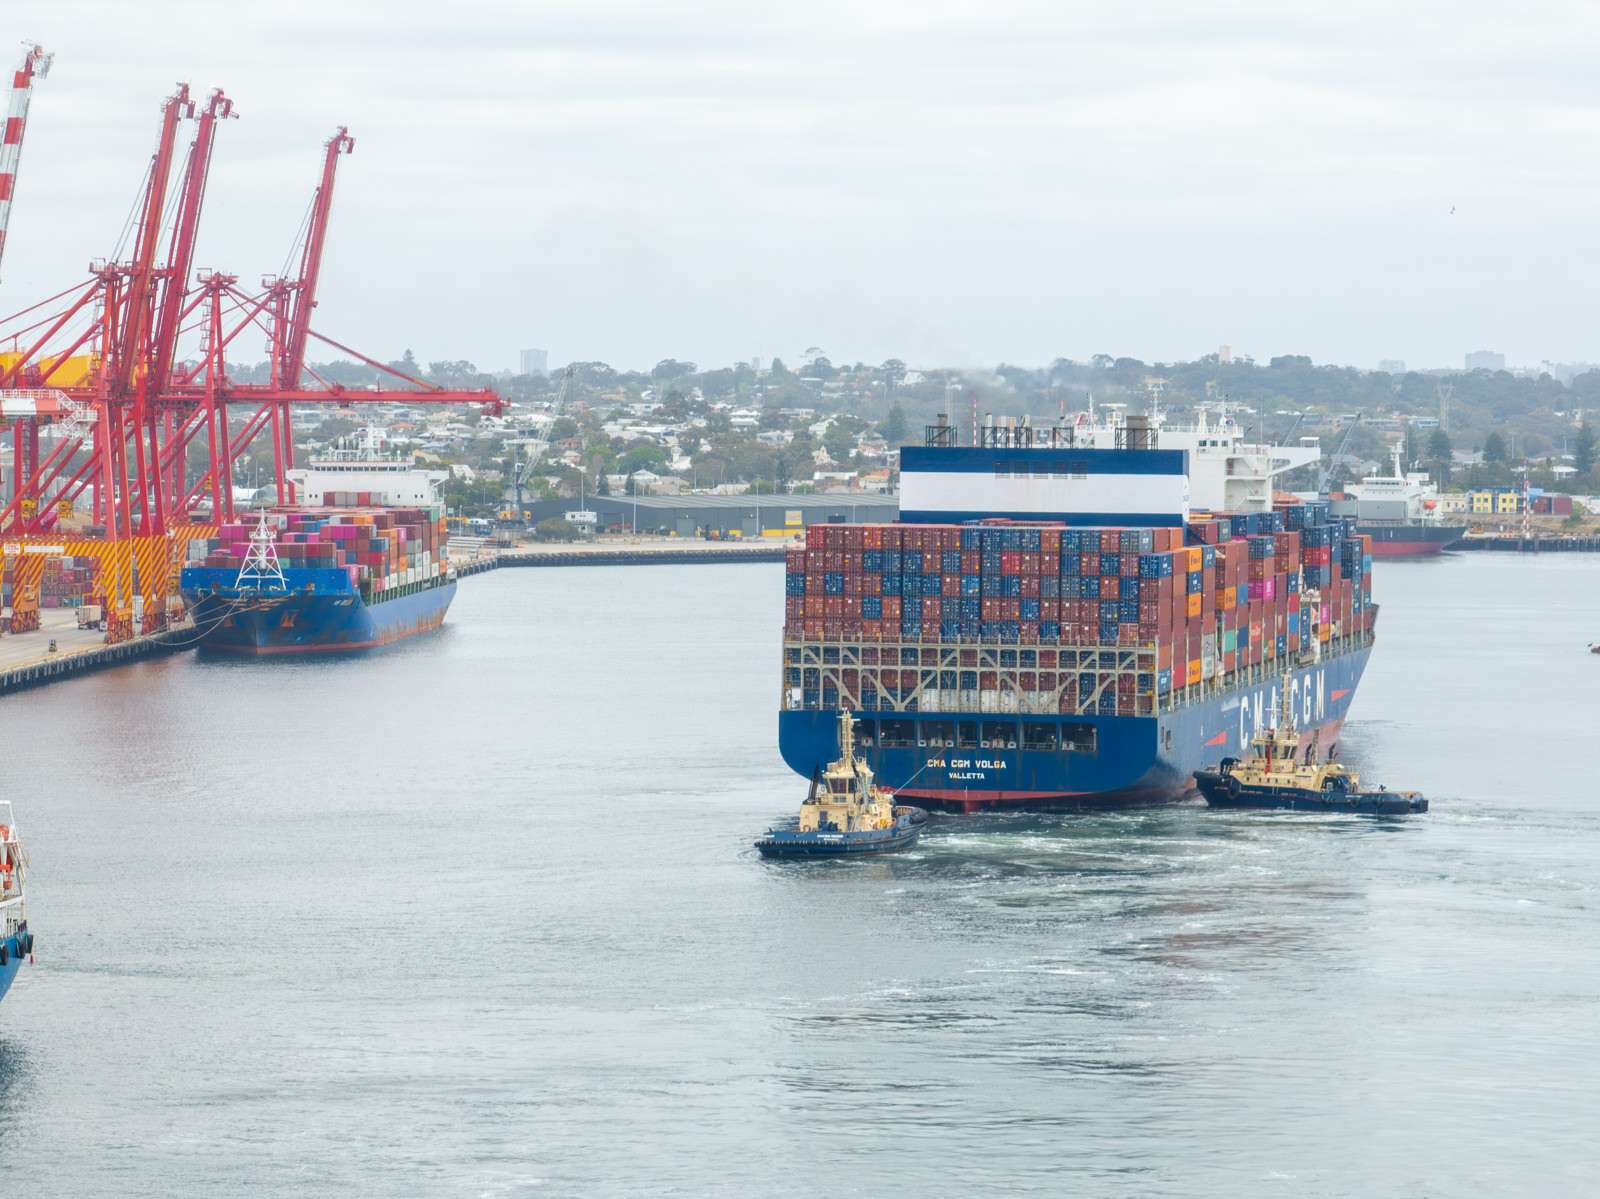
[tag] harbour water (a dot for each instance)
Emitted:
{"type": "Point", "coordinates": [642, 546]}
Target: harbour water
{"type": "Point", "coordinates": [479, 916]}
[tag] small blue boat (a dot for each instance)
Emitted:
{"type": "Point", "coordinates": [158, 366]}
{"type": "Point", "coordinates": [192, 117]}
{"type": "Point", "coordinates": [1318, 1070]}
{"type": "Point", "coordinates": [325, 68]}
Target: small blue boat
{"type": "Point", "coordinates": [16, 942]}
{"type": "Point", "coordinates": [845, 813]}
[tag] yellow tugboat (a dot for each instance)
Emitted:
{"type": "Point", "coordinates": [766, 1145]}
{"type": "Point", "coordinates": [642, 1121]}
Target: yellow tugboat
{"type": "Point", "coordinates": [1278, 775]}
{"type": "Point", "coordinates": [845, 812]}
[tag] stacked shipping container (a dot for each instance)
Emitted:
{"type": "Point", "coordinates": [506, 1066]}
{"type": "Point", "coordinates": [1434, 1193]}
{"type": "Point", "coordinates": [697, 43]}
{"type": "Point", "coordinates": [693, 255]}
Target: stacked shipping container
{"type": "Point", "coordinates": [1227, 593]}
{"type": "Point", "coordinates": [66, 582]}
{"type": "Point", "coordinates": [379, 548]}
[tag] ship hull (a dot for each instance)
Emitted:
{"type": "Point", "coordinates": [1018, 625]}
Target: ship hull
{"type": "Point", "coordinates": [301, 624]}
{"type": "Point", "coordinates": [1411, 541]}
{"type": "Point", "coordinates": [13, 963]}
{"type": "Point", "coordinates": [1135, 759]}
{"type": "Point", "coordinates": [1220, 793]}
{"type": "Point", "coordinates": [786, 844]}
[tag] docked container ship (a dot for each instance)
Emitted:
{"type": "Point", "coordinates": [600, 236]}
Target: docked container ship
{"type": "Point", "coordinates": [1050, 625]}
{"type": "Point", "coordinates": [359, 563]}
{"type": "Point", "coordinates": [317, 581]}
{"type": "Point", "coordinates": [1400, 512]}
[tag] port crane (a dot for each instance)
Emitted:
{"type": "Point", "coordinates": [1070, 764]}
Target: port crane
{"type": "Point", "coordinates": [99, 366]}
{"type": "Point", "coordinates": [1325, 474]}
{"type": "Point", "coordinates": [35, 65]}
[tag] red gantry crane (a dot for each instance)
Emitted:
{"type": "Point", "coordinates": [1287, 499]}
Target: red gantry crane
{"type": "Point", "coordinates": [101, 363]}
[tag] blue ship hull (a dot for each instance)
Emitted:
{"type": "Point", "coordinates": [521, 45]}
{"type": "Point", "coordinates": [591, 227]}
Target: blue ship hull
{"type": "Point", "coordinates": [14, 953]}
{"type": "Point", "coordinates": [318, 615]}
{"type": "Point", "coordinates": [1134, 759]}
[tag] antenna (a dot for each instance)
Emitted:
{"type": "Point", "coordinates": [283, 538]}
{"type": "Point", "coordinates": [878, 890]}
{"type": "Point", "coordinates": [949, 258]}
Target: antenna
{"type": "Point", "coordinates": [261, 571]}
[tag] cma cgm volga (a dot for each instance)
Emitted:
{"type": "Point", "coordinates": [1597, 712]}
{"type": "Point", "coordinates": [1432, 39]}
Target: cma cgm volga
{"type": "Point", "coordinates": [1049, 625]}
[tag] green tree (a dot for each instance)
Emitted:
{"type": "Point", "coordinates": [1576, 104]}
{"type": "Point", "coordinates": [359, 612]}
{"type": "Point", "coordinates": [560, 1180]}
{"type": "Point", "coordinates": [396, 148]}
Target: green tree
{"type": "Point", "coordinates": [555, 528]}
{"type": "Point", "coordinates": [562, 428]}
{"type": "Point", "coordinates": [670, 368]}
{"type": "Point", "coordinates": [1583, 450]}
{"type": "Point", "coordinates": [1494, 450]}
{"type": "Point", "coordinates": [601, 486]}
{"type": "Point", "coordinates": [1439, 451]}
{"type": "Point", "coordinates": [1411, 447]}
{"type": "Point", "coordinates": [894, 425]}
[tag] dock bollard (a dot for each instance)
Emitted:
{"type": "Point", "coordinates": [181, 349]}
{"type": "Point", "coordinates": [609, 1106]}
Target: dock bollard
{"type": "Point", "coordinates": [52, 645]}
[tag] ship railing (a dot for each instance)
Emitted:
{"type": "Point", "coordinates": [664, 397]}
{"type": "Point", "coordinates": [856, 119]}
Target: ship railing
{"type": "Point", "coordinates": [842, 671]}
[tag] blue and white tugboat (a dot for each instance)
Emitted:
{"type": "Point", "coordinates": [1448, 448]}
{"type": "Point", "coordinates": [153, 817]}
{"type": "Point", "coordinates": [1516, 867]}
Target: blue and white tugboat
{"type": "Point", "coordinates": [1277, 774]}
{"type": "Point", "coordinates": [846, 812]}
{"type": "Point", "coordinates": [16, 942]}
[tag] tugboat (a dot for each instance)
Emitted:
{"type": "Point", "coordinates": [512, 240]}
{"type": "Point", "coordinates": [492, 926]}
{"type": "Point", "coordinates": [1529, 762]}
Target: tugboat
{"type": "Point", "coordinates": [845, 812]}
{"type": "Point", "coordinates": [16, 942]}
{"type": "Point", "coordinates": [1276, 775]}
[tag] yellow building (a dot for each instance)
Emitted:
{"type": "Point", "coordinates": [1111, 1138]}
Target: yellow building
{"type": "Point", "coordinates": [1495, 501]}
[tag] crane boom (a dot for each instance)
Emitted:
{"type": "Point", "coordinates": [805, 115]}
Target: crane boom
{"type": "Point", "coordinates": [180, 258]}
{"type": "Point", "coordinates": [141, 272]}
{"type": "Point", "coordinates": [35, 65]}
{"type": "Point", "coordinates": [305, 297]}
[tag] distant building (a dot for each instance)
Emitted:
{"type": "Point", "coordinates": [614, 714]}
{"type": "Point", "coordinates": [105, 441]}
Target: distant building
{"type": "Point", "coordinates": [1224, 354]}
{"type": "Point", "coordinates": [1486, 360]}
{"type": "Point", "coordinates": [1495, 501]}
{"type": "Point", "coordinates": [535, 362]}
{"type": "Point", "coordinates": [1392, 366]}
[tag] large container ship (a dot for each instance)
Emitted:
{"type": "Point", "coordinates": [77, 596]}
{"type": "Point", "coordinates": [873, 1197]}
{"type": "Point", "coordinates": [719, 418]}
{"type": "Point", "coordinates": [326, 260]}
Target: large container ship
{"type": "Point", "coordinates": [359, 564]}
{"type": "Point", "coordinates": [1050, 625]}
{"type": "Point", "coordinates": [319, 581]}
{"type": "Point", "coordinates": [1400, 512]}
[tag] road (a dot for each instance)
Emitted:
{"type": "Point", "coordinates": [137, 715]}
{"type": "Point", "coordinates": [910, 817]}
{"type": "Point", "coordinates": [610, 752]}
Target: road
{"type": "Point", "coordinates": [59, 624]}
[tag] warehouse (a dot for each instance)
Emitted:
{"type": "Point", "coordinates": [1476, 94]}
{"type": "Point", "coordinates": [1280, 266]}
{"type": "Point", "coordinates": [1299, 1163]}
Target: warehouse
{"type": "Point", "coordinates": [723, 515]}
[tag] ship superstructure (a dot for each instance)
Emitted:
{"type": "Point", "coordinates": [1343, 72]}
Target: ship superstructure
{"type": "Point", "coordinates": [360, 471]}
{"type": "Point", "coordinates": [1049, 624]}
{"type": "Point", "coordinates": [1228, 472]}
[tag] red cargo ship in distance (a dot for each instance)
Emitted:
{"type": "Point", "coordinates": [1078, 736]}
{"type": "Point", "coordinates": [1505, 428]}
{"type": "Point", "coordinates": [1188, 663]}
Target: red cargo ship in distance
{"type": "Point", "coordinates": [1400, 512]}
{"type": "Point", "coordinates": [1049, 626]}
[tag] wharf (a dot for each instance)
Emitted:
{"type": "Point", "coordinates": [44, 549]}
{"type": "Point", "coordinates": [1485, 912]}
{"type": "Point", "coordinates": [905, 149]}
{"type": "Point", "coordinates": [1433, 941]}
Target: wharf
{"type": "Point", "coordinates": [628, 553]}
{"type": "Point", "coordinates": [26, 660]}
{"type": "Point", "coordinates": [1530, 545]}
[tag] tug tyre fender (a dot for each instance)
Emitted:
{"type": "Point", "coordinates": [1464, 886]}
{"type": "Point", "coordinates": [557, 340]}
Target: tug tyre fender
{"type": "Point", "coordinates": [1233, 787]}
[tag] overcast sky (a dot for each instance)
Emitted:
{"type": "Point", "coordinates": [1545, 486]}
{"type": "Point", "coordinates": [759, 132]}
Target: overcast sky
{"type": "Point", "coordinates": [950, 183]}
